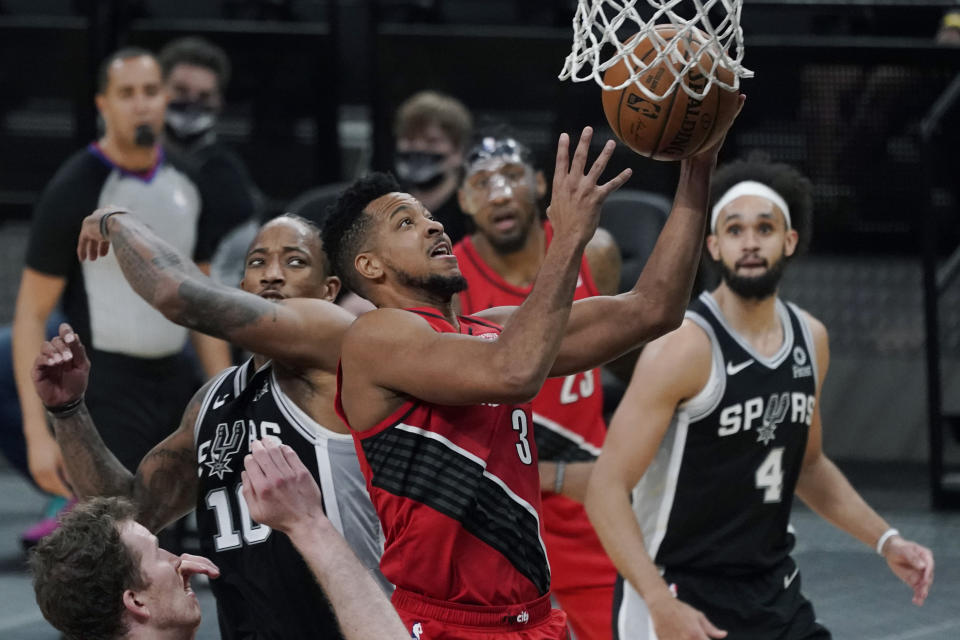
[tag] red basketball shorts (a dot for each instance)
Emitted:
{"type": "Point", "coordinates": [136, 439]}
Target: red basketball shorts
{"type": "Point", "coordinates": [428, 619]}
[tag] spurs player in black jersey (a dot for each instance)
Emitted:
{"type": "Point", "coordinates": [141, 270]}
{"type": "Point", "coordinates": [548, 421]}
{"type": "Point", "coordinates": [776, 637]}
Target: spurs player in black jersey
{"type": "Point", "coordinates": [718, 429]}
{"type": "Point", "coordinates": [265, 590]}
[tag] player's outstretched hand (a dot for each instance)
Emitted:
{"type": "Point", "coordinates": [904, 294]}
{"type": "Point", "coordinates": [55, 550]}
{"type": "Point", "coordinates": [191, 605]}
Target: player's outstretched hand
{"type": "Point", "coordinates": [576, 199]}
{"type": "Point", "coordinates": [92, 243]}
{"type": "Point", "coordinates": [676, 620]}
{"type": "Point", "coordinates": [278, 488]}
{"type": "Point", "coordinates": [61, 371]}
{"type": "Point", "coordinates": [191, 565]}
{"type": "Point", "coordinates": [912, 563]}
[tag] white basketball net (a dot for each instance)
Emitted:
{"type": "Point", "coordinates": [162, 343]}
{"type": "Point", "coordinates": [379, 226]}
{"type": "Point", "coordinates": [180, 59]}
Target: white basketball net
{"type": "Point", "coordinates": [597, 46]}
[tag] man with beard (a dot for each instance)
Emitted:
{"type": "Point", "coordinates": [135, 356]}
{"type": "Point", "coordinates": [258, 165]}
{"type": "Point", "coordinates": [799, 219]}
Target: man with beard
{"type": "Point", "coordinates": [719, 427]}
{"type": "Point", "coordinates": [137, 351]}
{"type": "Point", "coordinates": [500, 261]}
{"type": "Point", "coordinates": [284, 393]}
{"type": "Point", "coordinates": [439, 403]}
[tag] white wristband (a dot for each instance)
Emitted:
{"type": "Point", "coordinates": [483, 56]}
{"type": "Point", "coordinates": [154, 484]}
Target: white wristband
{"type": "Point", "coordinates": [558, 479]}
{"type": "Point", "coordinates": [889, 533]}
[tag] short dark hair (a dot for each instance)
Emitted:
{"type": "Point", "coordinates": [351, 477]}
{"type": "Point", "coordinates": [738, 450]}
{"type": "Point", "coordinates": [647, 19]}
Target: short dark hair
{"type": "Point", "coordinates": [103, 71]}
{"type": "Point", "coordinates": [197, 52]}
{"type": "Point", "coordinates": [783, 178]}
{"type": "Point", "coordinates": [81, 570]}
{"type": "Point", "coordinates": [347, 224]}
{"type": "Point", "coordinates": [312, 226]}
{"type": "Point", "coordinates": [422, 109]}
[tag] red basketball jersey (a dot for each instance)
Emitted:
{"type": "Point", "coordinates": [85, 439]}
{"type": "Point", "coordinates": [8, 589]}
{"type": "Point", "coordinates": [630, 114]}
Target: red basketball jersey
{"type": "Point", "coordinates": [568, 417]}
{"type": "Point", "coordinates": [458, 495]}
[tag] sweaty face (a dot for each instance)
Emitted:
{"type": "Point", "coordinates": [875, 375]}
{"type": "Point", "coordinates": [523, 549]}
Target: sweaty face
{"type": "Point", "coordinates": [134, 98]}
{"type": "Point", "coordinates": [168, 596]}
{"type": "Point", "coordinates": [750, 245]}
{"type": "Point", "coordinates": [409, 247]}
{"type": "Point", "coordinates": [501, 195]}
{"type": "Point", "coordinates": [286, 261]}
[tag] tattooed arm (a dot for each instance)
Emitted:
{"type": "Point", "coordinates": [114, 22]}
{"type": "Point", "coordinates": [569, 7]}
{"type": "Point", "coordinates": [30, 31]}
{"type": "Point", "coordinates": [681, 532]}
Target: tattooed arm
{"type": "Point", "coordinates": [298, 332]}
{"type": "Point", "coordinates": [165, 484]}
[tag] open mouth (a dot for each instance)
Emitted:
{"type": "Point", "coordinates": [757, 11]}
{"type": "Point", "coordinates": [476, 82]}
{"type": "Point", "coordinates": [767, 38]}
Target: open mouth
{"type": "Point", "coordinates": [504, 221]}
{"type": "Point", "coordinates": [442, 250]}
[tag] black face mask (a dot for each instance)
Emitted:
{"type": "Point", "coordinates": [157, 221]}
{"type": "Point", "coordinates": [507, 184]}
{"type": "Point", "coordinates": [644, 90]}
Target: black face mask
{"type": "Point", "coordinates": [187, 122]}
{"type": "Point", "coordinates": [419, 169]}
{"type": "Point", "coordinates": [144, 136]}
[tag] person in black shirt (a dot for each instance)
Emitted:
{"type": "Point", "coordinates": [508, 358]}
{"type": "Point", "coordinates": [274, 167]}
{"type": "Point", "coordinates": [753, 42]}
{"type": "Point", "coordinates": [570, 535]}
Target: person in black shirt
{"type": "Point", "coordinates": [719, 427]}
{"type": "Point", "coordinates": [142, 379]}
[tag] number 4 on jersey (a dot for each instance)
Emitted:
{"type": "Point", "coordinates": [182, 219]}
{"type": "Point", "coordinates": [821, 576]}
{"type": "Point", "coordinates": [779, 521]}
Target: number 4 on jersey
{"type": "Point", "coordinates": [769, 476]}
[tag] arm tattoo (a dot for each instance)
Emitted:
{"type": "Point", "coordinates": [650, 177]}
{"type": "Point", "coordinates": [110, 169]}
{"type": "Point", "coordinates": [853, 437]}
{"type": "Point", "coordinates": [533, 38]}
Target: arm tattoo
{"type": "Point", "coordinates": [220, 311]}
{"type": "Point", "coordinates": [165, 486]}
{"type": "Point", "coordinates": [174, 285]}
{"type": "Point", "coordinates": [93, 469]}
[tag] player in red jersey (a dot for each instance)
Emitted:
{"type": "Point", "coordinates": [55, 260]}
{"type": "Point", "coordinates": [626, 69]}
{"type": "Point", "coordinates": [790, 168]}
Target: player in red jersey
{"type": "Point", "coordinates": [437, 401]}
{"type": "Point", "coordinates": [500, 260]}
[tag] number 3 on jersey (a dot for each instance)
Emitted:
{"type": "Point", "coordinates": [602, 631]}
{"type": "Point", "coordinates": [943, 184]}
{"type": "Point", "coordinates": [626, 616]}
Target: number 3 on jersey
{"type": "Point", "coordinates": [227, 537]}
{"type": "Point", "coordinates": [519, 420]}
{"type": "Point", "coordinates": [769, 476]}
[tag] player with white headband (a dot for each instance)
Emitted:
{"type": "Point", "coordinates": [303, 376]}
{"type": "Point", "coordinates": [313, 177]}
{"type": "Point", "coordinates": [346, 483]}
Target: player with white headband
{"type": "Point", "coordinates": [719, 428]}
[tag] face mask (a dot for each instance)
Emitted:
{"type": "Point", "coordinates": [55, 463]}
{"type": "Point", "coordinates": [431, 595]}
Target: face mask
{"type": "Point", "coordinates": [420, 169]}
{"type": "Point", "coordinates": [187, 122]}
{"type": "Point", "coordinates": [144, 136]}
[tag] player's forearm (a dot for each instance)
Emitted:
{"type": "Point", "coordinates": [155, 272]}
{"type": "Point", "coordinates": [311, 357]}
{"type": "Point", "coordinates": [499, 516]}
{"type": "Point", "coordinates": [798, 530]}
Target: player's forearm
{"type": "Point", "coordinates": [608, 506]}
{"type": "Point", "coordinates": [664, 286]}
{"type": "Point", "coordinates": [174, 285]}
{"type": "Point", "coordinates": [824, 488]}
{"type": "Point", "coordinates": [362, 609]}
{"type": "Point", "coordinates": [604, 328]}
{"type": "Point", "coordinates": [572, 484]}
{"type": "Point", "coordinates": [152, 267]}
{"type": "Point", "coordinates": [530, 341]}
{"type": "Point", "coordinates": [93, 469]}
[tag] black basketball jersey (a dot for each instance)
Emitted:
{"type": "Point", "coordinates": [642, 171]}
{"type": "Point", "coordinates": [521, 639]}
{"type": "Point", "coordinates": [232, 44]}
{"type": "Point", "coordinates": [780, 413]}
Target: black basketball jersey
{"type": "Point", "coordinates": [718, 493]}
{"type": "Point", "coordinates": [265, 589]}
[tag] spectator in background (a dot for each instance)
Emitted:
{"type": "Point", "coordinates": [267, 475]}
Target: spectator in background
{"type": "Point", "coordinates": [196, 73]}
{"type": "Point", "coordinates": [144, 379]}
{"type": "Point", "coordinates": [949, 31]}
{"type": "Point", "coordinates": [432, 132]}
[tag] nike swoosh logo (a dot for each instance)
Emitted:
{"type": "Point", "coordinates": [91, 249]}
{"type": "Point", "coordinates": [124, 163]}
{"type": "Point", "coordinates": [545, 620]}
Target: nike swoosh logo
{"type": "Point", "coordinates": [788, 580]}
{"type": "Point", "coordinates": [219, 402]}
{"type": "Point", "coordinates": [733, 369]}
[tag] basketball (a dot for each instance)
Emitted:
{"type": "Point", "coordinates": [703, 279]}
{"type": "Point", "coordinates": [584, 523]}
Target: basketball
{"type": "Point", "coordinates": [677, 126]}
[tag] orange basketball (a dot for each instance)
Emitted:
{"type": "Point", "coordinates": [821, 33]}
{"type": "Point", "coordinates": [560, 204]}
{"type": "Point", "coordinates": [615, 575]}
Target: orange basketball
{"type": "Point", "coordinates": [677, 126]}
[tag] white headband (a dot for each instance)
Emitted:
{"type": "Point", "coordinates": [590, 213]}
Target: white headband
{"type": "Point", "coordinates": [749, 188]}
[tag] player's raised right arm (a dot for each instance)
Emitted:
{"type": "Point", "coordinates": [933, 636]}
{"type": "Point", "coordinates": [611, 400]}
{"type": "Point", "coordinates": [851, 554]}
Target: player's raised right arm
{"type": "Point", "coordinates": [303, 332]}
{"type": "Point", "coordinates": [670, 370]}
{"type": "Point", "coordinates": [165, 484]}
